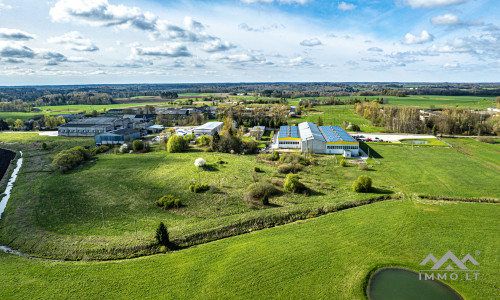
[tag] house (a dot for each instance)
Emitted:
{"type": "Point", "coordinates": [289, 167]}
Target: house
{"type": "Point", "coordinates": [155, 128]}
{"type": "Point", "coordinates": [209, 128]}
{"type": "Point", "coordinates": [117, 137]}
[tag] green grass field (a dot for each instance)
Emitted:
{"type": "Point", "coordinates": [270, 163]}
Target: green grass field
{"type": "Point", "coordinates": [322, 258]}
{"type": "Point", "coordinates": [425, 101]}
{"type": "Point", "coordinates": [125, 187]}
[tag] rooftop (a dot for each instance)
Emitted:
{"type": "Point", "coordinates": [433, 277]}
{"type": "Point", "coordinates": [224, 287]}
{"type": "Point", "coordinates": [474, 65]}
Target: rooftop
{"type": "Point", "coordinates": [335, 134]}
{"type": "Point", "coordinates": [310, 131]}
{"type": "Point", "coordinates": [210, 125]}
{"type": "Point", "coordinates": [288, 132]}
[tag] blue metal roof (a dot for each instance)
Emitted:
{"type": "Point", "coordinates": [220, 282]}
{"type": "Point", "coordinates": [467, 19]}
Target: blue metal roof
{"type": "Point", "coordinates": [288, 131]}
{"type": "Point", "coordinates": [336, 134]}
{"type": "Point", "coordinates": [310, 130]}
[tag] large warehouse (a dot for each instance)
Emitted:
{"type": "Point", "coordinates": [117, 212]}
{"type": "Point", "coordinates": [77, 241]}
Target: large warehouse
{"type": "Point", "coordinates": [318, 139]}
{"type": "Point", "coordinates": [209, 128]}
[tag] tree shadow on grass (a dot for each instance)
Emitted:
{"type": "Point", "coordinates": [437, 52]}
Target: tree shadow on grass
{"type": "Point", "coordinates": [210, 168]}
{"type": "Point", "coordinates": [381, 191]}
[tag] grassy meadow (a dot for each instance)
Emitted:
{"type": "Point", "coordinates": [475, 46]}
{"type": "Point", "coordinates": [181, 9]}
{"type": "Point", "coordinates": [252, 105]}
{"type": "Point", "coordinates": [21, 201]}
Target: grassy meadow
{"type": "Point", "coordinates": [328, 257]}
{"type": "Point", "coordinates": [65, 210]}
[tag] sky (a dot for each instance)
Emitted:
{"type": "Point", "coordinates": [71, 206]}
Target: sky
{"type": "Point", "coordinates": [190, 41]}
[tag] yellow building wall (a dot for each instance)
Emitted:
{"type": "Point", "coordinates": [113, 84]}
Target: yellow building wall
{"type": "Point", "coordinates": [343, 143]}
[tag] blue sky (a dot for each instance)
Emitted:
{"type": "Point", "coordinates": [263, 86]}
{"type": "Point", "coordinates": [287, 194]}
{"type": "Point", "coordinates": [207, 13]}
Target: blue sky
{"type": "Point", "coordinates": [122, 41]}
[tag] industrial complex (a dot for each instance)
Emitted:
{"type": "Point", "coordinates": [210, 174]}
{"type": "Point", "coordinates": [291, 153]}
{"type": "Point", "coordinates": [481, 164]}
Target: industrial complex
{"type": "Point", "coordinates": [308, 136]}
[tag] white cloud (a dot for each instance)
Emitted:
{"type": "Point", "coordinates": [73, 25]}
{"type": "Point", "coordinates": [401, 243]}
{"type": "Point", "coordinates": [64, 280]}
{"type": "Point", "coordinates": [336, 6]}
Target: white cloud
{"type": "Point", "coordinates": [192, 24]}
{"type": "Point", "coordinates": [433, 3]}
{"type": "Point", "coordinates": [244, 26]}
{"type": "Point", "coordinates": [311, 42]}
{"type": "Point", "coordinates": [375, 49]}
{"type": "Point", "coordinates": [171, 50]}
{"type": "Point", "coordinates": [4, 6]}
{"type": "Point", "coordinates": [299, 62]}
{"type": "Point", "coordinates": [346, 6]}
{"type": "Point", "coordinates": [217, 46]}
{"type": "Point", "coordinates": [424, 37]}
{"type": "Point", "coordinates": [451, 65]}
{"type": "Point", "coordinates": [447, 19]}
{"type": "Point", "coordinates": [15, 34]}
{"type": "Point", "coordinates": [240, 59]}
{"type": "Point", "coordinates": [75, 41]}
{"type": "Point", "coordinates": [15, 50]}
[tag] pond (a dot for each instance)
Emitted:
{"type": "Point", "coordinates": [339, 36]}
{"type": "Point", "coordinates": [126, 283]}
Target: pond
{"type": "Point", "coordinates": [414, 142]}
{"type": "Point", "coordinates": [403, 284]}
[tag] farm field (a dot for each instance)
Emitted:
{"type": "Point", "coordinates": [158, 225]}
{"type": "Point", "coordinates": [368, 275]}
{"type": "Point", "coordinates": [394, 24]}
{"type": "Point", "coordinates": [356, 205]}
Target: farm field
{"type": "Point", "coordinates": [124, 188]}
{"type": "Point", "coordinates": [425, 101]}
{"type": "Point", "coordinates": [326, 257]}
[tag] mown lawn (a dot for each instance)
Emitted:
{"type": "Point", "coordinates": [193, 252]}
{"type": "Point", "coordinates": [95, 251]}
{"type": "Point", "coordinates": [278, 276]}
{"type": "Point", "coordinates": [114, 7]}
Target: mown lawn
{"type": "Point", "coordinates": [322, 258]}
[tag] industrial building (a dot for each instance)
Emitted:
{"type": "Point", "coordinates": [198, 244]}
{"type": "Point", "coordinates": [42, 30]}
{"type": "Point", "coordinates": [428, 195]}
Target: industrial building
{"type": "Point", "coordinates": [318, 139]}
{"type": "Point", "coordinates": [288, 137]}
{"type": "Point", "coordinates": [209, 128]}
{"type": "Point", "coordinates": [117, 137]}
{"type": "Point", "coordinates": [93, 126]}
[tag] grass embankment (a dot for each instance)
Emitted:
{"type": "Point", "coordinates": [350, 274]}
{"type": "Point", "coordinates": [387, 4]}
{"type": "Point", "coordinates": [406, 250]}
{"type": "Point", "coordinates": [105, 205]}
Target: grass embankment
{"type": "Point", "coordinates": [322, 258]}
{"type": "Point", "coordinates": [64, 212]}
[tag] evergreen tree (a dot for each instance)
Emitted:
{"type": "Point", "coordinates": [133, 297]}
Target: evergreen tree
{"type": "Point", "coordinates": [162, 235]}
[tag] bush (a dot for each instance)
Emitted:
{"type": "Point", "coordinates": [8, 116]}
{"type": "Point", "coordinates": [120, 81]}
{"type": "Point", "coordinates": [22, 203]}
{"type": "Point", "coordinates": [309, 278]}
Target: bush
{"type": "Point", "coordinates": [67, 160]}
{"type": "Point", "coordinates": [200, 162]}
{"type": "Point", "coordinates": [168, 201]}
{"type": "Point", "coordinates": [265, 200]}
{"type": "Point", "coordinates": [292, 184]}
{"type": "Point", "coordinates": [176, 144]}
{"type": "Point", "coordinates": [363, 184]}
{"type": "Point", "coordinates": [196, 188]}
{"type": "Point", "coordinates": [355, 128]}
{"type": "Point", "coordinates": [343, 163]}
{"type": "Point", "coordinates": [257, 169]}
{"type": "Point", "coordinates": [276, 155]}
{"type": "Point", "coordinates": [44, 146]}
{"type": "Point", "coordinates": [137, 145]}
{"type": "Point", "coordinates": [100, 149]}
{"type": "Point", "coordinates": [285, 169]}
{"type": "Point", "coordinates": [486, 139]}
{"type": "Point", "coordinates": [260, 189]}
{"type": "Point", "coordinates": [124, 148]}
{"type": "Point", "coordinates": [162, 235]}
{"type": "Point", "coordinates": [204, 140]}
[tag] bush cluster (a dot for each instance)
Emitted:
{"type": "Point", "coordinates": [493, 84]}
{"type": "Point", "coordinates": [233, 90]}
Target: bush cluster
{"type": "Point", "coordinates": [363, 184]}
{"type": "Point", "coordinates": [168, 201]}
{"type": "Point", "coordinates": [176, 144]}
{"type": "Point", "coordinates": [100, 149]}
{"type": "Point", "coordinates": [67, 160]}
{"type": "Point", "coordinates": [486, 139]}
{"type": "Point", "coordinates": [250, 147]}
{"type": "Point", "coordinates": [261, 189]}
{"type": "Point", "coordinates": [292, 184]}
{"type": "Point", "coordinates": [257, 169]}
{"type": "Point", "coordinates": [290, 168]}
{"type": "Point", "coordinates": [343, 163]}
{"type": "Point", "coordinates": [196, 188]}
{"type": "Point", "coordinates": [204, 140]}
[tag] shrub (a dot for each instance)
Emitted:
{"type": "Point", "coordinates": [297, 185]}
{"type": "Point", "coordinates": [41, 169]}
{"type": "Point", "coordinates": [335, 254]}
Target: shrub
{"type": "Point", "coordinates": [196, 188]}
{"type": "Point", "coordinates": [100, 149]}
{"type": "Point", "coordinates": [67, 160]}
{"type": "Point", "coordinates": [265, 199]}
{"type": "Point", "coordinates": [176, 144]}
{"type": "Point", "coordinates": [292, 184]}
{"type": "Point", "coordinates": [44, 146]}
{"type": "Point", "coordinates": [277, 182]}
{"type": "Point", "coordinates": [343, 163]}
{"type": "Point", "coordinates": [486, 139]}
{"type": "Point", "coordinates": [257, 169]}
{"type": "Point", "coordinates": [199, 162]}
{"type": "Point", "coordinates": [251, 147]}
{"type": "Point", "coordinates": [355, 127]}
{"type": "Point", "coordinates": [363, 167]}
{"type": "Point", "coordinates": [285, 169]}
{"type": "Point", "coordinates": [137, 145]}
{"type": "Point", "coordinates": [162, 235]}
{"type": "Point", "coordinates": [260, 189]}
{"type": "Point", "coordinates": [204, 140]}
{"type": "Point", "coordinates": [363, 184]}
{"type": "Point", "coordinates": [168, 201]}
{"type": "Point", "coordinates": [276, 155]}
{"type": "Point", "coordinates": [124, 148]}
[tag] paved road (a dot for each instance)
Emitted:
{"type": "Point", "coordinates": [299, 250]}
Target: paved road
{"type": "Point", "coordinates": [393, 137]}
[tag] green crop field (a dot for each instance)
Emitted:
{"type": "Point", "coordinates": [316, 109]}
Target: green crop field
{"type": "Point", "coordinates": [328, 257]}
{"type": "Point", "coordinates": [124, 188]}
{"type": "Point", "coordinates": [425, 101]}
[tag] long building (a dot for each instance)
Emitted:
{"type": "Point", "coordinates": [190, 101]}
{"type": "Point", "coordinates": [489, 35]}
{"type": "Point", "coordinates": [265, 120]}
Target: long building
{"type": "Point", "coordinates": [318, 139]}
{"type": "Point", "coordinates": [93, 126]}
{"type": "Point", "coordinates": [209, 128]}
